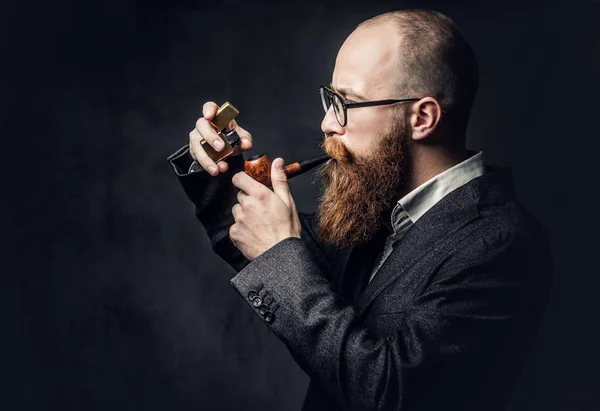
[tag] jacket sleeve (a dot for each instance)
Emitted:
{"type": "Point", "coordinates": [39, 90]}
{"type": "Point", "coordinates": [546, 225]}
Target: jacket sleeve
{"type": "Point", "coordinates": [461, 321]}
{"type": "Point", "coordinates": [214, 197]}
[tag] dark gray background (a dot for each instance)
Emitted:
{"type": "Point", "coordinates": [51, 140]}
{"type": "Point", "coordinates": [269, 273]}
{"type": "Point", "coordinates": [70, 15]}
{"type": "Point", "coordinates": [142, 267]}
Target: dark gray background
{"type": "Point", "coordinates": [113, 298]}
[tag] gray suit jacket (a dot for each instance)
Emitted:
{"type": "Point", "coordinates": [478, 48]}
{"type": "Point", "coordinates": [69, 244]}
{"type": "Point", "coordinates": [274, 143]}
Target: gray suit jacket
{"type": "Point", "coordinates": [445, 324]}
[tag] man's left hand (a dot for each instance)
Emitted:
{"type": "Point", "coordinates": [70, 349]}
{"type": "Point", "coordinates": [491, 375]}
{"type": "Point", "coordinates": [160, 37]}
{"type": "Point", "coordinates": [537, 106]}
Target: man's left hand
{"type": "Point", "coordinates": [263, 217]}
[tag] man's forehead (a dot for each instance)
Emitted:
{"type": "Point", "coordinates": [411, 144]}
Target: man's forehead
{"type": "Point", "coordinates": [364, 63]}
{"type": "Point", "coordinates": [348, 91]}
{"type": "Point", "coordinates": [356, 87]}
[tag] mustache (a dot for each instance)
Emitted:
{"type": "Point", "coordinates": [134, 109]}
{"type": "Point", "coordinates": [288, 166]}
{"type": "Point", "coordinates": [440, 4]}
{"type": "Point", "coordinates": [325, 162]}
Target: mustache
{"type": "Point", "coordinates": [337, 150]}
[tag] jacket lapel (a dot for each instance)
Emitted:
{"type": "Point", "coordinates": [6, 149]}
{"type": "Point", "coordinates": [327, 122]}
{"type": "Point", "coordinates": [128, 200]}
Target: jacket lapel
{"type": "Point", "coordinates": [453, 212]}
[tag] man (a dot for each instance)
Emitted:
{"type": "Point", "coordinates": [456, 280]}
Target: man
{"type": "Point", "coordinates": [420, 282]}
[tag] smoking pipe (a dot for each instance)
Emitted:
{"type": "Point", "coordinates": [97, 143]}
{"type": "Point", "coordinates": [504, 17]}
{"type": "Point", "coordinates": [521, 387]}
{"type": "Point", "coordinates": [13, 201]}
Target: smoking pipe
{"type": "Point", "coordinates": [259, 167]}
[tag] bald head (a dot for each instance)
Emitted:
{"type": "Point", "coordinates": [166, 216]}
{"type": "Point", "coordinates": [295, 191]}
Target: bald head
{"type": "Point", "coordinates": [425, 55]}
{"type": "Point", "coordinates": [368, 59]}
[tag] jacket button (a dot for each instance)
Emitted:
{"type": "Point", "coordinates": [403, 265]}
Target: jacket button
{"type": "Point", "coordinates": [263, 309]}
{"type": "Point", "coordinates": [252, 294]}
{"type": "Point", "coordinates": [256, 301]}
{"type": "Point", "coordinates": [269, 316]}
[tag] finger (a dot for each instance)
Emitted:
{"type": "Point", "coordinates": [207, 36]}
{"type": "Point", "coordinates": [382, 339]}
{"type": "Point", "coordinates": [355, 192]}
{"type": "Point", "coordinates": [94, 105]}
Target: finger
{"type": "Point", "coordinates": [245, 144]}
{"type": "Point", "coordinates": [279, 181]}
{"type": "Point", "coordinates": [232, 233]}
{"type": "Point", "coordinates": [245, 137]}
{"type": "Point", "coordinates": [231, 126]}
{"type": "Point", "coordinates": [209, 110]}
{"type": "Point", "coordinates": [242, 132]}
{"type": "Point", "coordinates": [194, 139]}
{"type": "Point", "coordinates": [292, 204]}
{"type": "Point", "coordinates": [197, 152]}
{"type": "Point", "coordinates": [209, 134]}
{"type": "Point", "coordinates": [241, 197]}
{"type": "Point", "coordinates": [223, 166]}
{"type": "Point", "coordinates": [295, 214]}
{"type": "Point", "coordinates": [236, 211]}
{"type": "Point", "coordinates": [249, 185]}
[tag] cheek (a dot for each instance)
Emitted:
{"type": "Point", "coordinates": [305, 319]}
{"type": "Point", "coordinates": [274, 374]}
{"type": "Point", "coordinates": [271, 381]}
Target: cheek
{"type": "Point", "coordinates": [362, 136]}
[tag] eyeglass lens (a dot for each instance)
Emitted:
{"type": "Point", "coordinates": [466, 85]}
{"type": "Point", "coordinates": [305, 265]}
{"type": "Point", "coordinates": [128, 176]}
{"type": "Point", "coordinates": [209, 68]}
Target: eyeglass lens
{"type": "Point", "coordinates": [328, 98]}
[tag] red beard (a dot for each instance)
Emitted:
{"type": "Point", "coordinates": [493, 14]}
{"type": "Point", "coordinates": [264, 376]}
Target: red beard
{"type": "Point", "coordinates": [357, 190]}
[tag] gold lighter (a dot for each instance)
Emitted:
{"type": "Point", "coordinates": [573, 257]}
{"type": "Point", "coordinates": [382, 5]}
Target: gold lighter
{"type": "Point", "coordinates": [225, 114]}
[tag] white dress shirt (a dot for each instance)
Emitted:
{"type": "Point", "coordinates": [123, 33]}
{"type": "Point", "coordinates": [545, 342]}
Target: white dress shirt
{"type": "Point", "coordinates": [415, 204]}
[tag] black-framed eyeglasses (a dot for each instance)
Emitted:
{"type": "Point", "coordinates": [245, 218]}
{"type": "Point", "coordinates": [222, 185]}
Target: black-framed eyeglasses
{"type": "Point", "coordinates": [340, 107]}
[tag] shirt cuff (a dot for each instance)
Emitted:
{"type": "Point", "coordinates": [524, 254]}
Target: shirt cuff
{"type": "Point", "coordinates": [183, 163]}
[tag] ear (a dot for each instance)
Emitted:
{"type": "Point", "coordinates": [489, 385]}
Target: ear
{"type": "Point", "coordinates": [424, 117]}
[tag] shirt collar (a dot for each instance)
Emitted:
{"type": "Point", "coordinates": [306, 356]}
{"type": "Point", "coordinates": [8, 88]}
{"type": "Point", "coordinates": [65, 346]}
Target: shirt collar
{"type": "Point", "coordinates": [416, 203]}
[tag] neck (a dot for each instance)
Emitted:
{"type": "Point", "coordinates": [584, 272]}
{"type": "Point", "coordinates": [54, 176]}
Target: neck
{"type": "Point", "coordinates": [427, 161]}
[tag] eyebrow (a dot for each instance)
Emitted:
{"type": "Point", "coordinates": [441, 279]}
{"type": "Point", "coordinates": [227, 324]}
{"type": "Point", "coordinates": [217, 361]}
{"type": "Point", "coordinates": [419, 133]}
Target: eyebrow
{"type": "Point", "coordinates": [347, 92]}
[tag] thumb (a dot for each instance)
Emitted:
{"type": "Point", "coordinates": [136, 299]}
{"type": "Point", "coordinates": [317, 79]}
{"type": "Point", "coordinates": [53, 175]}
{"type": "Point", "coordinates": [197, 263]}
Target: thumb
{"type": "Point", "coordinates": [209, 110]}
{"type": "Point", "coordinates": [279, 181]}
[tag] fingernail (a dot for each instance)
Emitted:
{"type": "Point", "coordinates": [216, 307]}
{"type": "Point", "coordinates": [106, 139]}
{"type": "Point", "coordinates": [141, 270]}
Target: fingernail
{"type": "Point", "coordinates": [219, 145]}
{"type": "Point", "coordinates": [212, 170]}
{"type": "Point", "coordinates": [279, 165]}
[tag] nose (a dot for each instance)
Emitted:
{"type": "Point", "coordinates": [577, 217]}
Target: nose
{"type": "Point", "coordinates": [330, 125]}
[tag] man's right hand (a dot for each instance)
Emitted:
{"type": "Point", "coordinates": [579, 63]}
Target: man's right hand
{"type": "Point", "coordinates": [205, 131]}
